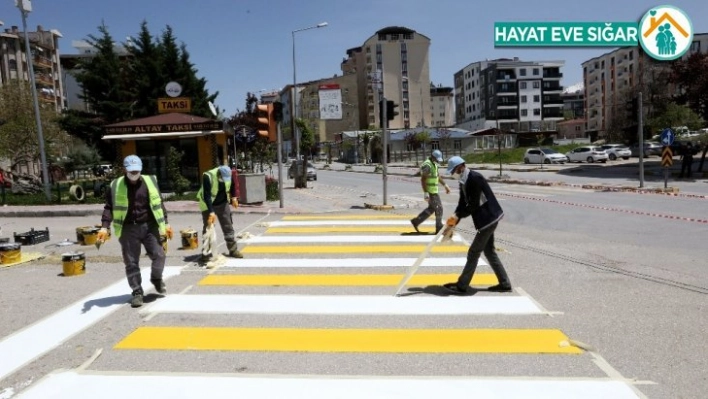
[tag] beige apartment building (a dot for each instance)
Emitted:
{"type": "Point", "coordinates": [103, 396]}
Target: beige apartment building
{"type": "Point", "coordinates": [401, 56]}
{"type": "Point", "coordinates": [310, 106]}
{"type": "Point", "coordinates": [44, 47]}
{"type": "Point", "coordinates": [609, 77]}
{"type": "Point", "coordinates": [442, 106]}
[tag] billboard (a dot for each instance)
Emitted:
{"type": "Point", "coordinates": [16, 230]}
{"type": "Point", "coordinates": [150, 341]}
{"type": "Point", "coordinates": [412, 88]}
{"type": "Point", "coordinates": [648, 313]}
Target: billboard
{"type": "Point", "coordinates": [330, 101]}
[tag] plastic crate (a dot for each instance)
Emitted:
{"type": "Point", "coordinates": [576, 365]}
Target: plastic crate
{"type": "Point", "coordinates": [32, 237]}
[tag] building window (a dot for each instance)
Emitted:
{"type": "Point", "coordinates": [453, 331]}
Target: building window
{"type": "Point", "coordinates": [577, 128]}
{"type": "Point", "coordinates": [522, 85]}
{"type": "Point", "coordinates": [382, 36]}
{"type": "Point", "coordinates": [524, 112]}
{"type": "Point", "coordinates": [408, 36]}
{"type": "Point", "coordinates": [536, 84]}
{"type": "Point", "coordinates": [394, 36]}
{"type": "Point", "coordinates": [523, 99]}
{"type": "Point", "coordinates": [537, 111]}
{"type": "Point", "coordinates": [522, 72]}
{"type": "Point", "coordinates": [535, 72]}
{"type": "Point", "coordinates": [457, 144]}
{"type": "Point", "coordinates": [536, 98]}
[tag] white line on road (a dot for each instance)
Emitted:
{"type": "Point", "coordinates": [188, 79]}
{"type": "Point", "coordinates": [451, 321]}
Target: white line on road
{"type": "Point", "coordinates": [337, 239]}
{"type": "Point", "coordinates": [33, 341]}
{"type": "Point", "coordinates": [287, 223]}
{"type": "Point", "coordinates": [346, 262]}
{"type": "Point", "coordinates": [345, 305]}
{"type": "Point", "coordinates": [71, 384]}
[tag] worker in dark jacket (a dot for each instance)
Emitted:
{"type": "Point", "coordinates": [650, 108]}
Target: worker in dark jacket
{"type": "Point", "coordinates": [477, 200]}
{"type": "Point", "coordinates": [219, 189]}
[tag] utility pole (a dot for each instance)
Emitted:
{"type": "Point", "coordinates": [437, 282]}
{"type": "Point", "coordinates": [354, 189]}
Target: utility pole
{"type": "Point", "coordinates": [640, 132]}
{"type": "Point", "coordinates": [384, 156]}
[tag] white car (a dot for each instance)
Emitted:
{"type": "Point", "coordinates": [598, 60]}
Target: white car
{"type": "Point", "coordinates": [615, 151]}
{"type": "Point", "coordinates": [587, 153]}
{"type": "Point", "coordinates": [544, 155]}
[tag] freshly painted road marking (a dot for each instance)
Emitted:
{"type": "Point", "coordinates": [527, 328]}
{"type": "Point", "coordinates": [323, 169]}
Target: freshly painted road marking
{"type": "Point", "coordinates": [350, 340]}
{"type": "Point", "coordinates": [350, 249]}
{"type": "Point", "coordinates": [342, 239]}
{"type": "Point", "coordinates": [347, 262]}
{"type": "Point", "coordinates": [27, 344]}
{"type": "Point", "coordinates": [86, 385]}
{"type": "Point", "coordinates": [80, 385]}
{"type": "Point", "coordinates": [346, 217]}
{"type": "Point", "coordinates": [346, 305]}
{"type": "Point", "coordinates": [392, 222]}
{"type": "Point", "coordinates": [350, 229]}
{"type": "Point", "coordinates": [339, 279]}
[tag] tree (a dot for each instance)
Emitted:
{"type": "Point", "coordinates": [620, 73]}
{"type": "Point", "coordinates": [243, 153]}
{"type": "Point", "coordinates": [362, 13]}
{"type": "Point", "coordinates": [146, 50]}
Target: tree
{"type": "Point", "coordinates": [691, 78]}
{"type": "Point", "coordinates": [444, 135]}
{"type": "Point", "coordinates": [174, 175]}
{"type": "Point", "coordinates": [677, 115]}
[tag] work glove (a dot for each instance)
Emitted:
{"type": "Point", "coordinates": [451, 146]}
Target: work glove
{"type": "Point", "coordinates": [426, 196]}
{"type": "Point", "coordinates": [234, 202]}
{"type": "Point", "coordinates": [453, 220]}
{"type": "Point", "coordinates": [169, 232]}
{"type": "Point", "coordinates": [212, 218]}
{"type": "Point", "coordinates": [102, 235]}
{"type": "Point", "coordinates": [447, 189]}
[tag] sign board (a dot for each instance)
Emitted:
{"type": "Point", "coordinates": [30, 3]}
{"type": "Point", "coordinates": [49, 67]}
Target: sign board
{"type": "Point", "coordinates": [176, 104]}
{"type": "Point", "coordinates": [173, 89]}
{"type": "Point", "coordinates": [667, 136]}
{"type": "Point", "coordinates": [170, 128]}
{"type": "Point", "coordinates": [667, 156]}
{"type": "Point", "coordinates": [330, 102]}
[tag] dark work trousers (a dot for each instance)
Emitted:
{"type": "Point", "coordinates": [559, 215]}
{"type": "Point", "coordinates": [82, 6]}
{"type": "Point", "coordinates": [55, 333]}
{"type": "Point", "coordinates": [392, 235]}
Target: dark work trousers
{"type": "Point", "coordinates": [223, 214]}
{"type": "Point", "coordinates": [131, 239]}
{"type": "Point", "coordinates": [483, 242]}
{"type": "Point", "coordinates": [434, 206]}
{"type": "Point", "coordinates": [686, 164]}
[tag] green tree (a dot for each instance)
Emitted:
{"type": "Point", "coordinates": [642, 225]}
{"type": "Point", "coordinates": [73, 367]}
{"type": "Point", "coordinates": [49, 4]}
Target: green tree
{"type": "Point", "coordinates": [174, 165]}
{"type": "Point", "coordinates": [676, 115]}
{"type": "Point", "coordinates": [691, 77]}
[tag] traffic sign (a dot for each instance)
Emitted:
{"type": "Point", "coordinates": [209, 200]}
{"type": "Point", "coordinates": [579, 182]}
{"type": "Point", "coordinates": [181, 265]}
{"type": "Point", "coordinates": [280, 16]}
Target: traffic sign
{"type": "Point", "coordinates": [667, 136]}
{"type": "Point", "coordinates": [667, 156]}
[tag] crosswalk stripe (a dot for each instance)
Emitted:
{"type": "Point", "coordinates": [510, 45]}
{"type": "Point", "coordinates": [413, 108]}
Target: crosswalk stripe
{"type": "Point", "coordinates": [80, 385]}
{"type": "Point", "coordinates": [340, 239]}
{"type": "Point", "coordinates": [350, 249]}
{"type": "Point", "coordinates": [346, 262]}
{"type": "Point", "coordinates": [345, 222]}
{"type": "Point", "coordinates": [350, 229]}
{"type": "Point", "coordinates": [349, 305]}
{"type": "Point", "coordinates": [516, 341]}
{"type": "Point", "coordinates": [345, 217]}
{"type": "Point", "coordinates": [339, 280]}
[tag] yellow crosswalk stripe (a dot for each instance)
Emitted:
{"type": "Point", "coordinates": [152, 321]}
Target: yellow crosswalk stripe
{"type": "Point", "coordinates": [349, 249]}
{"type": "Point", "coordinates": [339, 279]}
{"type": "Point", "coordinates": [350, 229]}
{"type": "Point", "coordinates": [496, 341]}
{"type": "Point", "coordinates": [348, 217]}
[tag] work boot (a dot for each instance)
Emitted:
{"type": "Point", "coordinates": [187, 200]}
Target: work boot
{"type": "Point", "coordinates": [415, 225]}
{"type": "Point", "coordinates": [204, 259]}
{"type": "Point", "coordinates": [505, 287]}
{"type": "Point", "coordinates": [160, 286]}
{"type": "Point", "coordinates": [235, 254]}
{"type": "Point", "coordinates": [137, 300]}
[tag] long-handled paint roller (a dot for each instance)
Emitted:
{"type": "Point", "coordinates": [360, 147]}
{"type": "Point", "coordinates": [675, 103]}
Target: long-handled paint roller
{"type": "Point", "coordinates": [418, 262]}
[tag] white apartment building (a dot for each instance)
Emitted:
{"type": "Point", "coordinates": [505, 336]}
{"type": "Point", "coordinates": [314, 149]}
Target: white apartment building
{"type": "Point", "coordinates": [442, 107]}
{"type": "Point", "coordinates": [401, 54]}
{"type": "Point", "coordinates": [509, 94]}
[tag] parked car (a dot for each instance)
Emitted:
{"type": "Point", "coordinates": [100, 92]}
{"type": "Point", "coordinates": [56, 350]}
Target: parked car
{"type": "Point", "coordinates": [677, 147]}
{"type": "Point", "coordinates": [615, 151]}
{"type": "Point", "coordinates": [649, 149]}
{"type": "Point", "coordinates": [102, 170]}
{"type": "Point", "coordinates": [587, 153]}
{"type": "Point", "coordinates": [311, 171]}
{"type": "Point", "coordinates": [544, 155]}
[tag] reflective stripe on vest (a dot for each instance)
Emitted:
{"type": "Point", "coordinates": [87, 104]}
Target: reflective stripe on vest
{"type": "Point", "coordinates": [213, 177]}
{"type": "Point", "coordinates": [431, 182]}
{"type": "Point", "coordinates": [119, 189]}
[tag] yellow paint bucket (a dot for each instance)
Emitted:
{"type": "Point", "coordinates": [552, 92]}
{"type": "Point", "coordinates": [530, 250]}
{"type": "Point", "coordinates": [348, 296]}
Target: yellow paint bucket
{"type": "Point", "coordinates": [190, 239]}
{"type": "Point", "coordinates": [10, 252]}
{"type": "Point", "coordinates": [90, 235]}
{"type": "Point", "coordinates": [73, 263]}
{"type": "Point", "coordinates": [80, 234]}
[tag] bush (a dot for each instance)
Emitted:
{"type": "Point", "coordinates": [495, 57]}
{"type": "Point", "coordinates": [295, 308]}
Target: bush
{"type": "Point", "coordinates": [272, 189]}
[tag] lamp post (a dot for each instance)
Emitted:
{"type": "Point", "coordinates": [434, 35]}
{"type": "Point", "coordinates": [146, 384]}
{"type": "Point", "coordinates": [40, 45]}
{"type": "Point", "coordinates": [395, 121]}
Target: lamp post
{"type": "Point", "coordinates": [25, 7]}
{"type": "Point", "coordinates": [293, 101]}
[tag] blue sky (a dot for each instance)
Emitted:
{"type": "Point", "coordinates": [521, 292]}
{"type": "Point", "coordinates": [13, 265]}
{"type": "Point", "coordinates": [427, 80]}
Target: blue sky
{"type": "Point", "coordinates": [246, 45]}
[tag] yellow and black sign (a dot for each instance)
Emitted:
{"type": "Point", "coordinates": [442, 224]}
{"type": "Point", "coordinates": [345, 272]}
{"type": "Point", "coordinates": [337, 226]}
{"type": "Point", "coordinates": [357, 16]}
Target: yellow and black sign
{"type": "Point", "coordinates": [667, 157]}
{"type": "Point", "coordinates": [175, 104]}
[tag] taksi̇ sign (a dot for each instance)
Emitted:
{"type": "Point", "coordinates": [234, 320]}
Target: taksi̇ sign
{"type": "Point", "coordinates": [176, 104]}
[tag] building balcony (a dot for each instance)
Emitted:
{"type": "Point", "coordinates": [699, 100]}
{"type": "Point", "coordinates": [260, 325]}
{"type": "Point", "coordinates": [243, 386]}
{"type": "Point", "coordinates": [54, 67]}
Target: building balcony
{"type": "Point", "coordinates": [552, 100]}
{"type": "Point", "coordinates": [552, 88]}
{"type": "Point", "coordinates": [506, 88]}
{"type": "Point", "coordinates": [508, 104]}
{"type": "Point", "coordinates": [43, 80]}
{"type": "Point", "coordinates": [552, 75]}
{"type": "Point", "coordinates": [552, 113]}
{"type": "Point", "coordinates": [42, 62]}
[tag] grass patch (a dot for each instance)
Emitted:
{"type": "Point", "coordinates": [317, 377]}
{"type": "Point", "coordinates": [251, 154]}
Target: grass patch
{"type": "Point", "coordinates": [510, 155]}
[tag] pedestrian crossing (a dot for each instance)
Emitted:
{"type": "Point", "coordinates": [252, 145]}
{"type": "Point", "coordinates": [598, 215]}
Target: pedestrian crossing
{"type": "Point", "coordinates": [323, 285]}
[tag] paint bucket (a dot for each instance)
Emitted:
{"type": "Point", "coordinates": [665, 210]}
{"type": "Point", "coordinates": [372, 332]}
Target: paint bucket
{"type": "Point", "coordinates": [10, 252]}
{"type": "Point", "coordinates": [90, 235]}
{"type": "Point", "coordinates": [73, 263]}
{"type": "Point", "coordinates": [80, 234]}
{"type": "Point", "coordinates": [190, 240]}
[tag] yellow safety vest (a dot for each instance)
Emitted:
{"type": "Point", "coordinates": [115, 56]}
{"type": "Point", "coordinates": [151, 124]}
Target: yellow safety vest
{"type": "Point", "coordinates": [431, 183]}
{"type": "Point", "coordinates": [213, 177]}
{"type": "Point", "coordinates": [119, 189]}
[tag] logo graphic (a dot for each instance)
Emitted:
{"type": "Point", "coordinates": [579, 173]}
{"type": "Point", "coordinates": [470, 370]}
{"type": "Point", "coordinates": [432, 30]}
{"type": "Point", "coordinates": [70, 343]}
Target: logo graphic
{"type": "Point", "coordinates": [665, 33]}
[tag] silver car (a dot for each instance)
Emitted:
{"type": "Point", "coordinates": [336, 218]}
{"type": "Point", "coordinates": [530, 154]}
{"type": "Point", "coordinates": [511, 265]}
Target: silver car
{"type": "Point", "coordinates": [311, 170]}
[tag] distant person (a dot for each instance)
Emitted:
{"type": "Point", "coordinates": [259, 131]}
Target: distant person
{"type": "Point", "coordinates": [477, 200]}
{"type": "Point", "coordinates": [429, 179]}
{"type": "Point", "coordinates": [219, 190]}
{"type": "Point", "coordinates": [686, 160]}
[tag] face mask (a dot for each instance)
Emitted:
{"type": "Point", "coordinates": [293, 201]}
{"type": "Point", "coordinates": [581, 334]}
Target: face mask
{"type": "Point", "coordinates": [133, 177]}
{"type": "Point", "coordinates": [463, 176]}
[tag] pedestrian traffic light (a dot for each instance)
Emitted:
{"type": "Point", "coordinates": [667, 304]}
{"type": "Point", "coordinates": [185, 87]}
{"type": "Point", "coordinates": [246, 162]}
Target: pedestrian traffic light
{"type": "Point", "coordinates": [391, 110]}
{"type": "Point", "coordinates": [277, 111]}
{"type": "Point", "coordinates": [266, 122]}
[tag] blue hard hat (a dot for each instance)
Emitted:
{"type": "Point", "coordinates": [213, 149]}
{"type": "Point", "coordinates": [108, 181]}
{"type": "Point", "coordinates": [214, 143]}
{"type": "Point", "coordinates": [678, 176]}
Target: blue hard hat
{"type": "Point", "coordinates": [132, 163]}
{"type": "Point", "coordinates": [437, 155]}
{"type": "Point", "coordinates": [454, 162]}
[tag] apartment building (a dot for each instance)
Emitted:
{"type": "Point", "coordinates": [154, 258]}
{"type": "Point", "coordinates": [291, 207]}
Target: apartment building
{"type": "Point", "coordinates": [574, 101]}
{"type": "Point", "coordinates": [509, 94]}
{"type": "Point", "coordinates": [311, 106]}
{"type": "Point", "coordinates": [442, 106]}
{"type": "Point", "coordinates": [609, 77]}
{"type": "Point", "coordinates": [44, 48]}
{"type": "Point", "coordinates": [401, 56]}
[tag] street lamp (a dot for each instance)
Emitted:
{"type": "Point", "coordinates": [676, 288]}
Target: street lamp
{"type": "Point", "coordinates": [25, 7]}
{"type": "Point", "coordinates": [293, 127]}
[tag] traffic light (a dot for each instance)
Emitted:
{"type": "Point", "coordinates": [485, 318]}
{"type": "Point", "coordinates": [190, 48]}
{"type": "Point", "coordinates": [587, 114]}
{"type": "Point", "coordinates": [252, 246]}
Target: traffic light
{"type": "Point", "coordinates": [381, 118]}
{"type": "Point", "coordinates": [266, 122]}
{"type": "Point", "coordinates": [391, 110]}
{"type": "Point", "coordinates": [633, 109]}
{"type": "Point", "coordinates": [277, 111]}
